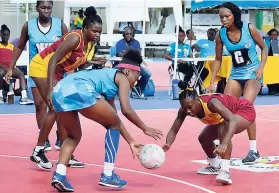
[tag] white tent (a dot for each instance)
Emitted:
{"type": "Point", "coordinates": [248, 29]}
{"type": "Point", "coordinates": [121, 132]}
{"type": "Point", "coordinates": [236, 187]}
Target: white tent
{"type": "Point", "coordinates": [127, 10]}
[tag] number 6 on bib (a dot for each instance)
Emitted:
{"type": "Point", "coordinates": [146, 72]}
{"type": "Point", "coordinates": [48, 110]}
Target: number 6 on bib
{"type": "Point", "coordinates": [241, 58]}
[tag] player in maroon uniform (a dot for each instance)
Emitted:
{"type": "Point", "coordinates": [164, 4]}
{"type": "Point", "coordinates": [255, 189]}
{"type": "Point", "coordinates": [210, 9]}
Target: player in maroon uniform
{"type": "Point", "coordinates": [224, 115]}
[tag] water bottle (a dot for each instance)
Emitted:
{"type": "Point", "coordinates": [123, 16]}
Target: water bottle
{"type": "Point", "coordinates": [175, 89]}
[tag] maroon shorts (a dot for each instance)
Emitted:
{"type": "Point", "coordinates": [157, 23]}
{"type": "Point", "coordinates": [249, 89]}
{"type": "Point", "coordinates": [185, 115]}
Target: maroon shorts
{"type": "Point", "coordinates": [246, 110]}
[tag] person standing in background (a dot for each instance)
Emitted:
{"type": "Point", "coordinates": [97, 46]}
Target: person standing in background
{"type": "Point", "coordinates": [41, 32]}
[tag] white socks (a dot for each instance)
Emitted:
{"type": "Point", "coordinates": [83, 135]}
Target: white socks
{"type": "Point", "coordinates": [61, 169]}
{"type": "Point", "coordinates": [24, 94]}
{"type": "Point", "coordinates": [253, 145]}
{"type": "Point", "coordinates": [108, 168]}
{"type": "Point", "coordinates": [38, 148]}
{"type": "Point", "coordinates": [225, 165]}
{"type": "Point", "coordinates": [215, 162]}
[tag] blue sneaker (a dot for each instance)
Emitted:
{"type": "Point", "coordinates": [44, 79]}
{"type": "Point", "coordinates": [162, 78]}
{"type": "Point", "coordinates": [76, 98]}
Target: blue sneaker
{"type": "Point", "coordinates": [112, 181]}
{"type": "Point", "coordinates": [251, 158]}
{"type": "Point", "coordinates": [61, 183]}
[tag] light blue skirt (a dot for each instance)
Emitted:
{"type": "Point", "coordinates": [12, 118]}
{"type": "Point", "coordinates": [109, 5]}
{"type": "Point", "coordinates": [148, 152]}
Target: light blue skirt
{"type": "Point", "coordinates": [74, 95]}
{"type": "Point", "coordinates": [244, 73]}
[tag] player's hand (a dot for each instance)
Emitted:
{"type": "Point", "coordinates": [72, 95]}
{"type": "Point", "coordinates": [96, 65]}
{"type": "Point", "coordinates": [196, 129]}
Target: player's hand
{"type": "Point", "coordinates": [181, 61]}
{"type": "Point", "coordinates": [103, 61]}
{"type": "Point", "coordinates": [8, 75]}
{"type": "Point", "coordinates": [166, 147]}
{"type": "Point", "coordinates": [155, 133]}
{"type": "Point", "coordinates": [135, 148]}
{"type": "Point", "coordinates": [49, 100]}
{"type": "Point", "coordinates": [259, 74]}
{"type": "Point", "coordinates": [221, 149]}
{"type": "Point", "coordinates": [211, 88]}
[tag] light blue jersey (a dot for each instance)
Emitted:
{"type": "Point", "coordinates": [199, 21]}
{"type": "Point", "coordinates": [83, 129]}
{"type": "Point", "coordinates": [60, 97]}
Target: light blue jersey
{"type": "Point", "coordinates": [207, 47]}
{"type": "Point", "coordinates": [184, 50]}
{"type": "Point", "coordinates": [80, 90]}
{"type": "Point", "coordinates": [244, 54]}
{"type": "Point", "coordinates": [38, 40]}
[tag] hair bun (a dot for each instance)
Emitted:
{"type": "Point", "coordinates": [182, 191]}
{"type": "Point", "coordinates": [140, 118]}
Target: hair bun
{"type": "Point", "coordinates": [182, 85]}
{"type": "Point", "coordinates": [4, 27]}
{"type": "Point", "coordinates": [90, 11]}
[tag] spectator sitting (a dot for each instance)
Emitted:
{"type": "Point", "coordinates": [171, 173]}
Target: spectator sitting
{"type": "Point", "coordinates": [191, 38]}
{"type": "Point", "coordinates": [184, 51]}
{"type": "Point", "coordinates": [6, 50]}
{"type": "Point", "coordinates": [206, 47]}
{"type": "Point", "coordinates": [128, 42]}
{"type": "Point", "coordinates": [273, 89]}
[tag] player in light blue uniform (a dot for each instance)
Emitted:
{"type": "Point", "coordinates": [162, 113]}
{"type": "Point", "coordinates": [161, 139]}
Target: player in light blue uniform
{"type": "Point", "coordinates": [240, 40]}
{"type": "Point", "coordinates": [91, 93]}
{"type": "Point", "coordinates": [41, 32]}
{"type": "Point", "coordinates": [244, 55]}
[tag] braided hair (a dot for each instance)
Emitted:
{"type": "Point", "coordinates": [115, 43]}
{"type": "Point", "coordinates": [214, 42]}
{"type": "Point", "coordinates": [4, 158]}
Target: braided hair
{"type": "Point", "coordinates": [236, 13]}
{"type": "Point", "coordinates": [187, 92]}
{"type": "Point", "coordinates": [91, 17]}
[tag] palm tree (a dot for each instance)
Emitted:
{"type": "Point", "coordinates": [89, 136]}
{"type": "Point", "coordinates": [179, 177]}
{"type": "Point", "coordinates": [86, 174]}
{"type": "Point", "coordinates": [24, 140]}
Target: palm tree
{"type": "Point", "coordinates": [165, 12]}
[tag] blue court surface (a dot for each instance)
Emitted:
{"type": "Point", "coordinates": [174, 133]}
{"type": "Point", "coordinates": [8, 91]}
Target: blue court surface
{"type": "Point", "coordinates": [161, 100]}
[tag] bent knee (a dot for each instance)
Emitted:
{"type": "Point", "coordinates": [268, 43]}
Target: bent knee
{"type": "Point", "coordinates": [202, 138]}
{"type": "Point", "coordinates": [76, 136]}
{"type": "Point", "coordinates": [115, 125]}
{"type": "Point", "coordinates": [40, 106]}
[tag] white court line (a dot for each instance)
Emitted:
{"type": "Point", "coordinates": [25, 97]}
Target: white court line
{"type": "Point", "coordinates": [171, 109]}
{"type": "Point", "coordinates": [134, 171]}
{"type": "Point", "coordinates": [269, 120]}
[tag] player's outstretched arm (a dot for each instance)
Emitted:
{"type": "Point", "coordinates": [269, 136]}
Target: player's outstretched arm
{"type": "Point", "coordinates": [181, 115]}
{"type": "Point", "coordinates": [134, 145]}
{"type": "Point", "coordinates": [217, 107]}
{"type": "Point", "coordinates": [217, 63]}
{"type": "Point", "coordinates": [128, 112]}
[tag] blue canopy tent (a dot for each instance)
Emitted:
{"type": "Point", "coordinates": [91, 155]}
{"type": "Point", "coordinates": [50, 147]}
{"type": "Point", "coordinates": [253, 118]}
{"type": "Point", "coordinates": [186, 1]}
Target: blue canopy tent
{"type": "Point", "coordinates": [243, 4]}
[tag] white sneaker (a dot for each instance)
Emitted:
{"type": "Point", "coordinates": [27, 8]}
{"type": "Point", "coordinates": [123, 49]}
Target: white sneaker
{"type": "Point", "coordinates": [224, 177]}
{"type": "Point", "coordinates": [73, 163]}
{"type": "Point", "coordinates": [26, 101]}
{"type": "Point", "coordinates": [40, 159]}
{"type": "Point", "coordinates": [209, 170]}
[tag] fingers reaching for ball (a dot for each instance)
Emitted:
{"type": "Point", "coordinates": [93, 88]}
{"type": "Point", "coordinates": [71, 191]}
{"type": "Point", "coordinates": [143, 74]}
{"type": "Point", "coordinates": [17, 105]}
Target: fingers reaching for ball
{"type": "Point", "coordinates": [135, 148]}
